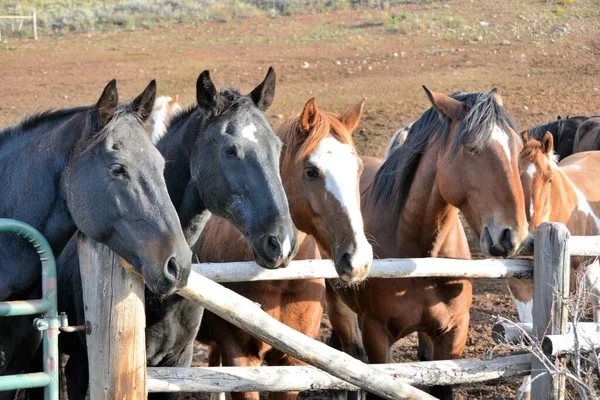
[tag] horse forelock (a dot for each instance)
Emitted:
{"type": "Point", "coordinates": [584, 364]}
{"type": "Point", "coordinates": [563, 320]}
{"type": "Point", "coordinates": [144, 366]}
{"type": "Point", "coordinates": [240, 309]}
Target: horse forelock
{"type": "Point", "coordinates": [298, 146]}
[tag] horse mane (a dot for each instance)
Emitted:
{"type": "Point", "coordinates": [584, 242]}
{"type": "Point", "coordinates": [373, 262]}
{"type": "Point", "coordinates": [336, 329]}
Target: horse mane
{"type": "Point", "coordinates": [391, 185]}
{"type": "Point", "coordinates": [554, 127]}
{"type": "Point", "coordinates": [298, 145]}
{"type": "Point", "coordinates": [227, 98]}
{"type": "Point", "coordinates": [33, 121]}
{"type": "Point", "coordinates": [530, 151]}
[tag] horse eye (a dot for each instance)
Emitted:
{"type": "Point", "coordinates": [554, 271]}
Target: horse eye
{"type": "Point", "coordinates": [471, 149]}
{"type": "Point", "coordinates": [312, 173]}
{"type": "Point", "coordinates": [230, 151]}
{"type": "Point", "coordinates": [116, 169]}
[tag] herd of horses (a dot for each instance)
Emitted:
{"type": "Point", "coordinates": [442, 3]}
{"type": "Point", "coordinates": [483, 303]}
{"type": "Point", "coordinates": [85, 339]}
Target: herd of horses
{"type": "Point", "coordinates": [162, 186]}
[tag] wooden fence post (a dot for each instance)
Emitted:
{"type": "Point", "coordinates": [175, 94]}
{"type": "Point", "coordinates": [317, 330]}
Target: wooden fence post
{"type": "Point", "coordinates": [551, 274]}
{"type": "Point", "coordinates": [34, 21]}
{"type": "Point", "coordinates": [113, 301]}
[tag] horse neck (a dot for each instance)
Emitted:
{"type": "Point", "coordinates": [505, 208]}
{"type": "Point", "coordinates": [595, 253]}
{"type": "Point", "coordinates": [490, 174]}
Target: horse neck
{"type": "Point", "coordinates": [49, 150]}
{"type": "Point", "coordinates": [568, 205]}
{"type": "Point", "coordinates": [427, 224]}
{"type": "Point", "coordinates": [176, 147]}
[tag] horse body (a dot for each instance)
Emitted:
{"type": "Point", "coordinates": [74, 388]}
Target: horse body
{"type": "Point", "coordinates": [320, 171]}
{"type": "Point", "coordinates": [468, 161]}
{"type": "Point", "coordinates": [89, 168]}
{"type": "Point", "coordinates": [562, 193]}
{"type": "Point", "coordinates": [222, 158]}
{"type": "Point", "coordinates": [588, 136]}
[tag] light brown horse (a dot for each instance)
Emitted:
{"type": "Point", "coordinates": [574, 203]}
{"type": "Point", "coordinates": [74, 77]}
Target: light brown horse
{"type": "Point", "coordinates": [461, 154]}
{"type": "Point", "coordinates": [320, 170]}
{"type": "Point", "coordinates": [562, 193]}
{"type": "Point", "coordinates": [587, 137]}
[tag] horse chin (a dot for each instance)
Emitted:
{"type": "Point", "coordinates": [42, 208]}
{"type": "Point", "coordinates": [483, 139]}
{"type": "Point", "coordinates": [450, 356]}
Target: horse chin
{"type": "Point", "coordinates": [269, 263]}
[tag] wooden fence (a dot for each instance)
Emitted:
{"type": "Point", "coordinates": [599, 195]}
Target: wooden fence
{"type": "Point", "coordinates": [116, 350]}
{"type": "Point", "coordinates": [21, 18]}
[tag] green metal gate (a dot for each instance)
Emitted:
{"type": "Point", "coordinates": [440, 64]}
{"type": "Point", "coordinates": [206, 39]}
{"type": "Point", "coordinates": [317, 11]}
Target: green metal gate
{"type": "Point", "coordinates": [49, 324]}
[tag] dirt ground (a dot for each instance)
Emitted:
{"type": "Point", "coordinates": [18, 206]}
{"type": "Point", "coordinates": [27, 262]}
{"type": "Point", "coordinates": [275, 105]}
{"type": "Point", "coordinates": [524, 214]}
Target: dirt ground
{"type": "Point", "coordinates": [543, 56]}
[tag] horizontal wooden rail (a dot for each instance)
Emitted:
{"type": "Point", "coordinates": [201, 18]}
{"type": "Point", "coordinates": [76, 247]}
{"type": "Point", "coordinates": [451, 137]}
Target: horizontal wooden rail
{"type": "Point", "coordinates": [281, 379]}
{"type": "Point", "coordinates": [16, 16]}
{"type": "Point", "coordinates": [246, 315]}
{"type": "Point", "coordinates": [584, 246]}
{"type": "Point", "coordinates": [248, 271]}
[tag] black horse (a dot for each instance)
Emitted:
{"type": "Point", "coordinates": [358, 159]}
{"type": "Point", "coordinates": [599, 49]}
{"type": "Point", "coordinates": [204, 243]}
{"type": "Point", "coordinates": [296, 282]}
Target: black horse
{"type": "Point", "coordinates": [222, 157]}
{"type": "Point", "coordinates": [89, 168]}
{"type": "Point", "coordinates": [563, 131]}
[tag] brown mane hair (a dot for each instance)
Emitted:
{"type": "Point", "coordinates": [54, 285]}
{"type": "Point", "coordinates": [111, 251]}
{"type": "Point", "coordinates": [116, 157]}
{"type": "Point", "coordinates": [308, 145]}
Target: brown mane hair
{"type": "Point", "coordinates": [298, 145]}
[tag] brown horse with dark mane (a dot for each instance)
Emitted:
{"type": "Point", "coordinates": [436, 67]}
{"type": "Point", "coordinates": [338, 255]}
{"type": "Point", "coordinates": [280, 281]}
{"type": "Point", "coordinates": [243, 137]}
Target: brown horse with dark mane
{"type": "Point", "coordinates": [461, 154]}
{"type": "Point", "coordinates": [320, 170]}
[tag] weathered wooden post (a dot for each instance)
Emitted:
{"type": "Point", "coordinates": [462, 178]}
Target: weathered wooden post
{"type": "Point", "coordinates": [113, 299]}
{"type": "Point", "coordinates": [551, 273]}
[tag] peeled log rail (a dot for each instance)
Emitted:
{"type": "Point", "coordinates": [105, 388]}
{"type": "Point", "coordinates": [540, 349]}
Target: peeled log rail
{"type": "Point", "coordinates": [584, 246]}
{"type": "Point", "coordinates": [248, 271]}
{"type": "Point", "coordinates": [281, 379]}
{"type": "Point", "coordinates": [504, 332]}
{"type": "Point", "coordinates": [246, 315]}
{"type": "Point", "coordinates": [588, 338]}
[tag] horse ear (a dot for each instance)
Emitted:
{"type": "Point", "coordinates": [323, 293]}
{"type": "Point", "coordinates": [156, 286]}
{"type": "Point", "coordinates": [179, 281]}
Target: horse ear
{"type": "Point", "coordinates": [446, 105]}
{"type": "Point", "coordinates": [144, 102]}
{"type": "Point", "coordinates": [174, 101]}
{"type": "Point", "coordinates": [108, 102]}
{"type": "Point", "coordinates": [525, 136]}
{"type": "Point", "coordinates": [496, 95]}
{"type": "Point", "coordinates": [206, 92]}
{"type": "Point", "coordinates": [559, 118]}
{"type": "Point", "coordinates": [351, 117]}
{"type": "Point", "coordinates": [308, 118]}
{"type": "Point", "coordinates": [547, 143]}
{"type": "Point", "coordinates": [264, 93]}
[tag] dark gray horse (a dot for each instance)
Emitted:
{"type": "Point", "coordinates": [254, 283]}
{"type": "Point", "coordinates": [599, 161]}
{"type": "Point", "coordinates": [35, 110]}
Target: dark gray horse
{"type": "Point", "coordinates": [222, 157]}
{"type": "Point", "coordinates": [563, 132]}
{"type": "Point", "coordinates": [90, 168]}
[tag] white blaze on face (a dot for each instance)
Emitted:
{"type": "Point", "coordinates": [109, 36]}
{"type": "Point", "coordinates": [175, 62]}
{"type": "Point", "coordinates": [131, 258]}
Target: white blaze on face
{"type": "Point", "coordinates": [249, 132]}
{"type": "Point", "coordinates": [531, 169]}
{"type": "Point", "coordinates": [340, 168]}
{"type": "Point", "coordinates": [501, 137]}
{"type": "Point", "coordinates": [286, 247]}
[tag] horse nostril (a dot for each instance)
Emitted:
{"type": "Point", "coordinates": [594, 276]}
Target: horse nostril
{"type": "Point", "coordinates": [344, 264]}
{"type": "Point", "coordinates": [273, 247]}
{"type": "Point", "coordinates": [506, 240]}
{"type": "Point", "coordinates": [172, 269]}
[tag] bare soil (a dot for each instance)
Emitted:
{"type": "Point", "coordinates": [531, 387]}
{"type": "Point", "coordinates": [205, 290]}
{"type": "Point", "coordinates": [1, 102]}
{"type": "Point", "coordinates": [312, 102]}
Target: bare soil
{"type": "Point", "coordinates": [548, 67]}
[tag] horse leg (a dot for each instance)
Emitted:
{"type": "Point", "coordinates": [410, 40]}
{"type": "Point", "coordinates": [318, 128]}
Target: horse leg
{"type": "Point", "coordinates": [425, 349]}
{"type": "Point", "coordinates": [77, 375]}
{"type": "Point", "coordinates": [233, 355]}
{"type": "Point", "coordinates": [345, 335]}
{"type": "Point", "coordinates": [521, 291]}
{"type": "Point", "coordinates": [184, 360]}
{"type": "Point", "coordinates": [450, 346]}
{"type": "Point", "coordinates": [376, 342]}
{"type": "Point", "coordinates": [214, 360]}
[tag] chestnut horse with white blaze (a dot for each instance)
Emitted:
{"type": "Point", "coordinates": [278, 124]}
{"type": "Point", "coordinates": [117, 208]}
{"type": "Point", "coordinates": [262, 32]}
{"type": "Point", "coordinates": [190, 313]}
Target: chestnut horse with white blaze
{"type": "Point", "coordinates": [461, 154]}
{"type": "Point", "coordinates": [163, 110]}
{"type": "Point", "coordinates": [320, 171]}
{"type": "Point", "coordinates": [565, 193]}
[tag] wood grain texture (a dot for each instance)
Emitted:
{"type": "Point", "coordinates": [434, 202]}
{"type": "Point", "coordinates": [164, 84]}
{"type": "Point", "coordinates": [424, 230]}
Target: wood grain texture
{"type": "Point", "coordinates": [113, 300]}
